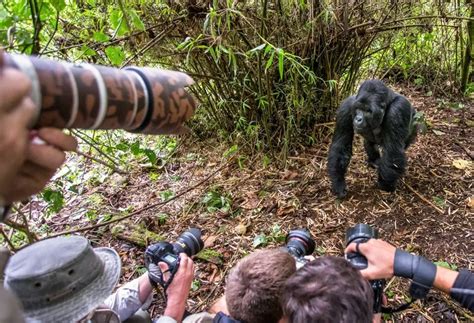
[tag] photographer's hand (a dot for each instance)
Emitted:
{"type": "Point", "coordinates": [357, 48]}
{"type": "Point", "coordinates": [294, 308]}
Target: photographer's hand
{"type": "Point", "coordinates": [42, 161]}
{"type": "Point", "coordinates": [380, 258]}
{"type": "Point", "coordinates": [16, 112]}
{"type": "Point", "coordinates": [179, 288]}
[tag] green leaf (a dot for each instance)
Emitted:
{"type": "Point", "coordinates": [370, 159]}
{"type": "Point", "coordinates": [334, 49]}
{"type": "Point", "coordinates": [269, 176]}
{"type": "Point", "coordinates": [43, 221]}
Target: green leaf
{"type": "Point", "coordinates": [135, 148]}
{"type": "Point", "coordinates": [446, 265]}
{"type": "Point", "coordinates": [231, 151]}
{"type": "Point", "coordinates": [54, 198]}
{"type": "Point", "coordinates": [87, 51]}
{"type": "Point", "coordinates": [439, 201]}
{"type": "Point", "coordinates": [270, 61]}
{"type": "Point", "coordinates": [260, 240]}
{"type": "Point", "coordinates": [58, 4]}
{"type": "Point", "coordinates": [166, 195]}
{"type": "Point", "coordinates": [100, 36]}
{"type": "Point", "coordinates": [115, 54]}
{"type": "Point", "coordinates": [281, 56]}
{"type": "Point", "coordinates": [136, 21]}
{"type": "Point", "coordinates": [151, 155]}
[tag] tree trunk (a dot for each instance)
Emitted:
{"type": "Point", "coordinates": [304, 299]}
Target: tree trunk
{"type": "Point", "coordinates": [467, 62]}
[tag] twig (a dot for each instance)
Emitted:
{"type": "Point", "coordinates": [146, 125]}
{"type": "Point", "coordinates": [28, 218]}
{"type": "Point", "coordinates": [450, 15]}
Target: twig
{"type": "Point", "coordinates": [468, 152]}
{"type": "Point", "coordinates": [76, 133]}
{"type": "Point", "coordinates": [26, 229]}
{"type": "Point", "coordinates": [52, 35]}
{"type": "Point", "coordinates": [423, 198]}
{"type": "Point", "coordinates": [115, 169]}
{"type": "Point", "coordinates": [5, 237]}
{"type": "Point", "coordinates": [148, 207]}
{"type": "Point", "coordinates": [37, 25]}
{"type": "Point", "coordinates": [150, 44]}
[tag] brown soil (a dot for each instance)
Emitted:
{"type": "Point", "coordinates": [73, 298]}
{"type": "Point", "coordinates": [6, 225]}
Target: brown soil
{"type": "Point", "coordinates": [429, 213]}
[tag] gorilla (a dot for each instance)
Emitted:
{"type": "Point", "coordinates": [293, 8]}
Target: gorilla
{"type": "Point", "coordinates": [385, 120]}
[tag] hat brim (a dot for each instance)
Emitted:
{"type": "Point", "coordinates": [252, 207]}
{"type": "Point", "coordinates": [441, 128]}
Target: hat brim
{"type": "Point", "coordinates": [88, 298]}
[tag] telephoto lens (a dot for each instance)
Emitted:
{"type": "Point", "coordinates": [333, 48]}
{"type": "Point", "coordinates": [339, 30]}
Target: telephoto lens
{"type": "Point", "coordinates": [359, 233]}
{"type": "Point", "coordinates": [87, 96]}
{"type": "Point", "coordinates": [299, 244]}
{"type": "Point", "coordinates": [189, 242]}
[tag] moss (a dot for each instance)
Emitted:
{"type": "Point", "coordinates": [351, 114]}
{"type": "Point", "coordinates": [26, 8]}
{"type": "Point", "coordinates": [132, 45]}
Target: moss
{"type": "Point", "coordinates": [210, 255]}
{"type": "Point", "coordinates": [135, 233]}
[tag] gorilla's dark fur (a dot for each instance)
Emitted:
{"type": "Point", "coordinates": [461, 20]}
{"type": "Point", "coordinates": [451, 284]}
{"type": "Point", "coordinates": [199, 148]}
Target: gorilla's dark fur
{"type": "Point", "coordinates": [385, 119]}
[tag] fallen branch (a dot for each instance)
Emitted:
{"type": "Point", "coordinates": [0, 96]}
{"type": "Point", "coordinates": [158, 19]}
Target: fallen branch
{"type": "Point", "coordinates": [468, 152]}
{"type": "Point", "coordinates": [148, 207]}
{"type": "Point", "coordinates": [423, 198]}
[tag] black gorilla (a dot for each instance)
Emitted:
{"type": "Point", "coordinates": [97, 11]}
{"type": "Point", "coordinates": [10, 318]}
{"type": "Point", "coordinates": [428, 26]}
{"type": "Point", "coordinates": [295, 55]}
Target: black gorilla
{"type": "Point", "coordinates": [385, 119]}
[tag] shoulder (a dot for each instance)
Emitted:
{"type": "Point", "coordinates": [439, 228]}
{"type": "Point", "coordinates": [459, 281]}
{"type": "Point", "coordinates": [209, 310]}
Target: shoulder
{"type": "Point", "coordinates": [346, 104]}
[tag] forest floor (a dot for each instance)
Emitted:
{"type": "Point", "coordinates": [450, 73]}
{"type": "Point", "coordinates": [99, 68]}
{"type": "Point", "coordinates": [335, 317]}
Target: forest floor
{"type": "Point", "coordinates": [431, 213]}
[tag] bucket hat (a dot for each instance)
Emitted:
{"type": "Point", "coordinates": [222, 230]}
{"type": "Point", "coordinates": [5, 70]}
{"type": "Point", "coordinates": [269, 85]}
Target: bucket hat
{"type": "Point", "coordinates": [62, 279]}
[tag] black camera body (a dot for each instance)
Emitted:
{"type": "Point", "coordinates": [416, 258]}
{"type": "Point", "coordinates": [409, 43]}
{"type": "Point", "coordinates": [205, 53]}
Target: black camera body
{"type": "Point", "coordinates": [362, 233]}
{"type": "Point", "coordinates": [189, 242]}
{"type": "Point", "coordinates": [299, 243]}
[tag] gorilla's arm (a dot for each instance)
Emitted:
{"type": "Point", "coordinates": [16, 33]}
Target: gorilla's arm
{"type": "Point", "coordinates": [340, 152]}
{"type": "Point", "coordinates": [395, 133]}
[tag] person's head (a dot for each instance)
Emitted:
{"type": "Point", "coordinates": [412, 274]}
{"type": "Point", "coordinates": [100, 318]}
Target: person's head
{"type": "Point", "coordinates": [254, 286]}
{"type": "Point", "coordinates": [62, 279]}
{"type": "Point", "coordinates": [327, 289]}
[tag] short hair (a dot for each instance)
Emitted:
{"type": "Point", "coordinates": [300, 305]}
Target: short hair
{"type": "Point", "coordinates": [254, 286]}
{"type": "Point", "coordinates": [327, 289]}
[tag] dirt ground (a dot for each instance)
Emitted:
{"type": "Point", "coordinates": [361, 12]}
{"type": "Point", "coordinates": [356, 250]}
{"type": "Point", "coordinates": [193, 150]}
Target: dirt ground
{"type": "Point", "coordinates": [430, 213]}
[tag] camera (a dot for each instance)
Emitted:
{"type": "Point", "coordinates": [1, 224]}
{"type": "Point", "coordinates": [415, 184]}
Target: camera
{"type": "Point", "coordinates": [298, 243]}
{"type": "Point", "coordinates": [361, 233]}
{"type": "Point", "coordinates": [87, 96]}
{"type": "Point", "coordinates": [189, 242]}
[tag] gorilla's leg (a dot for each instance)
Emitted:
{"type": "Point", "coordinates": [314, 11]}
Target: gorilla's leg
{"type": "Point", "coordinates": [391, 168]}
{"type": "Point", "coordinates": [340, 152]}
{"type": "Point", "coordinates": [373, 154]}
{"type": "Point", "coordinates": [396, 132]}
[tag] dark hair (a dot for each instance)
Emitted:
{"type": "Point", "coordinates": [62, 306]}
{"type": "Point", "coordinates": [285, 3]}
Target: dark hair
{"type": "Point", "coordinates": [327, 289]}
{"type": "Point", "coordinates": [254, 286]}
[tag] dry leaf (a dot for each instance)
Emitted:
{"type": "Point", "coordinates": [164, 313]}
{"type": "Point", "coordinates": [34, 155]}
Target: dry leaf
{"type": "Point", "coordinates": [251, 202]}
{"type": "Point", "coordinates": [241, 229]}
{"type": "Point", "coordinates": [289, 175]}
{"type": "Point", "coordinates": [209, 242]}
{"type": "Point", "coordinates": [470, 202]}
{"type": "Point", "coordinates": [461, 163]}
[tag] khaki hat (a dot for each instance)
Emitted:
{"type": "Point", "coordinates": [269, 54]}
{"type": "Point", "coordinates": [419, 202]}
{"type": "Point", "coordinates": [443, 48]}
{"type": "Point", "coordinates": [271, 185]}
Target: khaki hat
{"type": "Point", "coordinates": [62, 279]}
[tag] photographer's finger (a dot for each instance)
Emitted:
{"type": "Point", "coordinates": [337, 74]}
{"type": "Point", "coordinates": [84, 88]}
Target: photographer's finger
{"type": "Point", "coordinates": [14, 86]}
{"type": "Point", "coordinates": [57, 138]}
{"type": "Point", "coordinates": [367, 273]}
{"type": "Point", "coordinates": [45, 156]}
{"type": "Point", "coordinates": [351, 248]}
{"type": "Point", "coordinates": [21, 117]}
{"type": "Point", "coordinates": [164, 270]}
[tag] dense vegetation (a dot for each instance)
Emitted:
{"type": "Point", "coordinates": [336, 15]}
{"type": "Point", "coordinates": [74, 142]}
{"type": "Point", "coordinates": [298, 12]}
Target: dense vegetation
{"type": "Point", "coordinates": [270, 72]}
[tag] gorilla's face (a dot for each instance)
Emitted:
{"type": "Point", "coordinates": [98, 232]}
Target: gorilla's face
{"type": "Point", "coordinates": [369, 108]}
